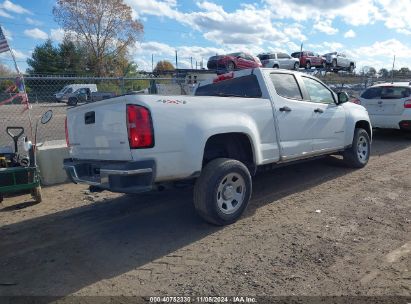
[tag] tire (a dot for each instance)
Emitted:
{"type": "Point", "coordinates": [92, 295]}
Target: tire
{"type": "Point", "coordinates": [308, 65]}
{"type": "Point", "coordinates": [275, 66]}
{"type": "Point", "coordinates": [215, 192]}
{"type": "Point", "coordinates": [230, 66]}
{"type": "Point", "coordinates": [296, 66]}
{"type": "Point", "coordinates": [334, 64]}
{"type": "Point", "coordinates": [324, 65]}
{"type": "Point", "coordinates": [358, 154]}
{"type": "Point", "coordinates": [36, 194]}
{"type": "Point", "coordinates": [351, 68]}
{"type": "Point", "coordinates": [72, 101]}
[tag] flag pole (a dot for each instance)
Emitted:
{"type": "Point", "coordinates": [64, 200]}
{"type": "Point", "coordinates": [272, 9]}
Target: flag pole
{"type": "Point", "coordinates": [24, 89]}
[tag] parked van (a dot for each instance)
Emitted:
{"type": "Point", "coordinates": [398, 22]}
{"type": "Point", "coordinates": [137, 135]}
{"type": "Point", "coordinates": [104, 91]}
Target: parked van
{"type": "Point", "coordinates": [63, 94]}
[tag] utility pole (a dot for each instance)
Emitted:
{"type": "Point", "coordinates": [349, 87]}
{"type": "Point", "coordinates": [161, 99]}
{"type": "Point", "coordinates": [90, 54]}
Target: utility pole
{"type": "Point", "coordinates": [392, 71]}
{"type": "Point", "coordinates": [191, 60]}
{"type": "Point", "coordinates": [152, 63]}
{"type": "Point", "coordinates": [176, 61]}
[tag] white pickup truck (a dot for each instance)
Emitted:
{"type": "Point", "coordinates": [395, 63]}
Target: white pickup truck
{"type": "Point", "coordinates": [236, 123]}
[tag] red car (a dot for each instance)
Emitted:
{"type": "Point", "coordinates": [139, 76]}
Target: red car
{"type": "Point", "coordinates": [310, 59]}
{"type": "Point", "coordinates": [233, 61]}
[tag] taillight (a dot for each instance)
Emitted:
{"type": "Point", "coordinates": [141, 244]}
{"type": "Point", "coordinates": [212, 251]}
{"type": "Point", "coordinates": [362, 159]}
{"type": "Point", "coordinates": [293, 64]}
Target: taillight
{"type": "Point", "coordinates": [407, 104]}
{"type": "Point", "coordinates": [139, 127]}
{"type": "Point", "coordinates": [356, 100]}
{"type": "Point", "coordinates": [66, 131]}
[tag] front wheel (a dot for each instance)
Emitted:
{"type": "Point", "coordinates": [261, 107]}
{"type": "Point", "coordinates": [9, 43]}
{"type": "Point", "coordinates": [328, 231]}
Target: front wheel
{"type": "Point", "coordinates": [358, 154]}
{"type": "Point", "coordinates": [222, 191]}
{"type": "Point", "coordinates": [230, 66]}
{"type": "Point", "coordinates": [296, 66]}
{"type": "Point", "coordinates": [308, 65]}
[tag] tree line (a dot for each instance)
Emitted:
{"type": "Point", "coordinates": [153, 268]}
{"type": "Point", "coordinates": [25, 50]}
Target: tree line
{"type": "Point", "coordinates": [97, 40]}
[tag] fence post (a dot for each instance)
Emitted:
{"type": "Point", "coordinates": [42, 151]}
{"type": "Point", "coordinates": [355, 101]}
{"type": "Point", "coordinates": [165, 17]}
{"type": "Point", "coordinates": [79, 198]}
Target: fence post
{"type": "Point", "coordinates": [123, 91]}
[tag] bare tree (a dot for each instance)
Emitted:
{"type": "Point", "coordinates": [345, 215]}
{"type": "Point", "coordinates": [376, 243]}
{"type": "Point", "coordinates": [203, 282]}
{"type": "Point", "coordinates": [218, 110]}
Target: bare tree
{"type": "Point", "coordinates": [106, 27]}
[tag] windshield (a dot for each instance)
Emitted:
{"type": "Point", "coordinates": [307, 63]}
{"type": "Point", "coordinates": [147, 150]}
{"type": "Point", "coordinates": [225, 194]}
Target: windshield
{"type": "Point", "coordinates": [264, 57]}
{"type": "Point", "coordinates": [235, 54]}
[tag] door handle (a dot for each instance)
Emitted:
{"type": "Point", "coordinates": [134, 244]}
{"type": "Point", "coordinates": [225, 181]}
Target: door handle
{"type": "Point", "coordinates": [318, 110]}
{"type": "Point", "coordinates": [285, 109]}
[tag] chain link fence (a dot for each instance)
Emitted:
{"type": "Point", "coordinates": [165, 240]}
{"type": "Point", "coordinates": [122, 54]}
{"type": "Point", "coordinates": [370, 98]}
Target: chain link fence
{"type": "Point", "coordinates": [41, 91]}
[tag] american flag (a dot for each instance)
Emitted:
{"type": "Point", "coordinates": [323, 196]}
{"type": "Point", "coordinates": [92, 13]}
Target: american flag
{"type": "Point", "coordinates": [4, 46]}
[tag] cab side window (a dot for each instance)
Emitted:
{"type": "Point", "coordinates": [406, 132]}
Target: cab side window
{"type": "Point", "coordinates": [286, 86]}
{"type": "Point", "coordinates": [317, 91]}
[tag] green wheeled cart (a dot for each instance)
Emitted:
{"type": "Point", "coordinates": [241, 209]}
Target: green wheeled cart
{"type": "Point", "coordinates": [18, 174]}
{"type": "Point", "coordinates": [18, 179]}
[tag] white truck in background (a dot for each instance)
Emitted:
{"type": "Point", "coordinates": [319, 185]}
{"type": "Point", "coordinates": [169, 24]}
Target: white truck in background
{"type": "Point", "coordinates": [235, 123]}
{"type": "Point", "coordinates": [62, 95]}
{"type": "Point", "coordinates": [78, 93]}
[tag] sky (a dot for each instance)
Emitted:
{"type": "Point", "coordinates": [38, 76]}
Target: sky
{"type": "Point", "coordinates": [370, 31]}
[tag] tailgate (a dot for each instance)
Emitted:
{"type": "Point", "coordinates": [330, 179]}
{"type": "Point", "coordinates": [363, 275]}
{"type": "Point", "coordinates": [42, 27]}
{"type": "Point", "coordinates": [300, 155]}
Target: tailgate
{"type": "Point", "coordinates": [99, 131]}
{"type": "Point", "coordinates": [390, 102]}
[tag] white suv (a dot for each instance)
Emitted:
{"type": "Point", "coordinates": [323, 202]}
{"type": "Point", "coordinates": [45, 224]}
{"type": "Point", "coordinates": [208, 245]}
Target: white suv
{"type": "Point", "coordinates": [388, 105]}
{"type": "Point", "coordinates": [279, 61]}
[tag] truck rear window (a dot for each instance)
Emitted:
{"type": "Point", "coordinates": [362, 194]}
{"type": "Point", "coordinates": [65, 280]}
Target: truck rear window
{"type": "Point", "coordinates": [246, 86]}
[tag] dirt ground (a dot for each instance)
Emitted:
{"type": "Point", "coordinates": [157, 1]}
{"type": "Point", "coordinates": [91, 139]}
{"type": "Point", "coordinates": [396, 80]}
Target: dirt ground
{"type": "Point", "coordinates": [316, 228]}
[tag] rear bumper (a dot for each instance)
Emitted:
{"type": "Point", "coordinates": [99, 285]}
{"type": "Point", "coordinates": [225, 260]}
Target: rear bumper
{"type": "Point", "coordinates": [115, 176]}
{"type": "Point", "coordinates": [405, 125]}
{"type": "Point", "coordinates": [391, 121]}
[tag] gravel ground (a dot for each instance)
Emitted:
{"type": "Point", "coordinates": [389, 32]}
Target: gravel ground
{"type": "Point", "coordinates": [315, 228]}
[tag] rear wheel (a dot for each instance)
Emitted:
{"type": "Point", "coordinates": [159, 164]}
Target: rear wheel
{"type": "Point", "coordinates": [275, 66]}
{"type": "Point", "coordinates": [222, 191]}
{"type": "Point", "coordinates": [72, 101]}
{"type": "Point", "coordinates": [296, 66]}
{"type": "Point", "coordinates": [308, 65]}
{"type": "Point", "coordinates": [36, 194]}
{"type": "Point", "coordinates": [358, 154]}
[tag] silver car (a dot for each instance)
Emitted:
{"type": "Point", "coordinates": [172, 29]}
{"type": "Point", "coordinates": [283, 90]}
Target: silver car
{"type": "Point", "coordinates": [279, 60]}
{"type": "Point", "coordinates": [339, 61]}
{"type": "Point", "coordinates": [388, 105]}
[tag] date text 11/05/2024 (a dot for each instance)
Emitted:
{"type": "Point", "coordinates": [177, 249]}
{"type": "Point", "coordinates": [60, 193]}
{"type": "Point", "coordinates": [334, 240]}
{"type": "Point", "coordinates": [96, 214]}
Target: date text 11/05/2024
{"type": "Point", "coordinates": [235, 299]}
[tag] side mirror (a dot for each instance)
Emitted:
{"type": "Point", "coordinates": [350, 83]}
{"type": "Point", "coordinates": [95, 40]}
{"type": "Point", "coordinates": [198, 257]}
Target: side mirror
{"type": "Point", "coordinates": [342, 97]}
{"type": "Point", "coordinates": [46, 117]}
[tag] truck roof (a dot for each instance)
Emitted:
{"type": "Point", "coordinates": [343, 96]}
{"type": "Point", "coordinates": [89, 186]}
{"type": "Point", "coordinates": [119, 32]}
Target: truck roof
{"type": "Point", "coordinates": [245, 72]}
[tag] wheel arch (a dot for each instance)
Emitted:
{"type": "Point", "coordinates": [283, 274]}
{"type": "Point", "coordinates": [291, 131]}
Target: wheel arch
{"type": "Point", "coordinates": [235, 145]}
{"type": "Point", "coordinates": [363, 124]}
